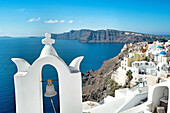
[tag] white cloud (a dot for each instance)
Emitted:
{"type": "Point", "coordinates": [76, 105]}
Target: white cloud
{"type": "Point", "coordinates": [62, 21]}
{"type": "Point", "coordinates": [51, 21]}
{"type": "Point", "coordinates": [22, 9]}
{"type": "Point", "coordinates": [34, 19]}
{"type": "Point", "coordinates": [71, 21]}
{"type": "Point", "coordinates": [56, 21]}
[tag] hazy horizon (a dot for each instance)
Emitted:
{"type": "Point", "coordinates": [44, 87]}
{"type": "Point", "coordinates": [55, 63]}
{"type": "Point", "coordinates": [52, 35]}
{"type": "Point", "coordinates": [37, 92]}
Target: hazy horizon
{"type": "Point", "coordinates": [88, 29]}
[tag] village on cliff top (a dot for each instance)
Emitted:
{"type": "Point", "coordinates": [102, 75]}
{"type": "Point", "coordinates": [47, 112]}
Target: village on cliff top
{"type": "Point", "coordinates": [146, 73]}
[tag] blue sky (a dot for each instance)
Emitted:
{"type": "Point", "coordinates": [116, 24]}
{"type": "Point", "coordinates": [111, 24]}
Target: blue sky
{"type": "Point", "coordinates": [36, 17]}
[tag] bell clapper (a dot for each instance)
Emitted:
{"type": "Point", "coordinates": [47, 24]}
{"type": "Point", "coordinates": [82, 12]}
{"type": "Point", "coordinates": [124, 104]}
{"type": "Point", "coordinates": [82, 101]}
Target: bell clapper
{"type": "Point", "coordinates": [53, 104]}
{"type": "Point", "coordinates": [50, 91]}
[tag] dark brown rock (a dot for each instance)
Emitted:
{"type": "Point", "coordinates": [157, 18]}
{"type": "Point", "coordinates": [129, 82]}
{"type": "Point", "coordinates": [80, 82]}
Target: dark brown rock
{"type": "Point", "coordinates": [108, 35]}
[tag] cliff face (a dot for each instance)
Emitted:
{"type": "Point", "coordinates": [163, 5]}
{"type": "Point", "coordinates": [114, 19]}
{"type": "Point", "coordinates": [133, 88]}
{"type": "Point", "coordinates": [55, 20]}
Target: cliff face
{"type": "Point", "coordinates": [98, 84]}
{"type": "Point", "coordinates": [91, 36]}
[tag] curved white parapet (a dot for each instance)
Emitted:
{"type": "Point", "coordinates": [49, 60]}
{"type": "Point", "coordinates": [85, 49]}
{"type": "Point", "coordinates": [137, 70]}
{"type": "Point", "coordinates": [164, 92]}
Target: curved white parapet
{"type": "Point", "coordinates": [75, 64]}
{"type": "Point", "coordinates": [28, 88]}
{"type": "Point", "coordinates": [21, 64]}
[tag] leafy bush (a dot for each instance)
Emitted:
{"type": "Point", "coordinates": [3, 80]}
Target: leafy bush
{"type": "Point", "coordinates": [110, 85]}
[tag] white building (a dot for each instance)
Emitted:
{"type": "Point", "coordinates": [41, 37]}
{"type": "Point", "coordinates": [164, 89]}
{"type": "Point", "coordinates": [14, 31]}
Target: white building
{"type": "Point", "coordinates": [140, 67]}
{"type": "Point", "coordinates": [151, 71]}
{"type": "Point", "coordinates": [154, 48]}
{"type": "Point", "coordinates": [141, 70]}
{"type": "Point", "coordinates": [158, 100]}
{"type": "Point", "coordinates": [124, 99]}
{"type": "Point", "coordinates": [160, 57]}
{"type": "Point", "coordinates": [128, 101]}
{"type": "Point", "coordinates": [158, 50]}
{"type": "Point", "coordinates": [162, 69]}
{"type": "Point", "coordinates": [167, 45]}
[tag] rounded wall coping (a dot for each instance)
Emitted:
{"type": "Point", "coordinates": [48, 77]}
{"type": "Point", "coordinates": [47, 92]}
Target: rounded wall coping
{"type": "Point", "coordinates": [44, 60]}
{"type": "Point", "coordinates": [75, 64]}
{"type": "Point", "coordinates": [22, 65]}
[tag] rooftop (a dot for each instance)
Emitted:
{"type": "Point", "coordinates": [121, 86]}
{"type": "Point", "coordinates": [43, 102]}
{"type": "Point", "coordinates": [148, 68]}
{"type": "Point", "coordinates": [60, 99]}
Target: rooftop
{"type": "Point", "coordinates": [162, 53]}
{"type": "Point", "coordinates": [159, 47]}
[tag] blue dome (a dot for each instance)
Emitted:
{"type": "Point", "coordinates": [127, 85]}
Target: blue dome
{"type": "Point", "coordinates": [156, 55]}
{"type": "Point", "coordinates": [159, 47]}
{"type": "Point", "coordinates": [162, 53]}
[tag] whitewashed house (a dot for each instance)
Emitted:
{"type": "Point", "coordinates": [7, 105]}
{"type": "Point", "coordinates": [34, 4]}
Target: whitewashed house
{"type": "Point", "coordinates": [124, 99]}
{"type": "Point", "coordinates": [141, 70]}
{"type": "Point", "coordinates": [142, 66]}
{"type": "Point", "coordinates": [162, 69]}
{"type": "Point", "coordinates": [167, 45]}
{"type": "Point", "coordinates": [154, 48]}
{"type": "Point", "coordinates": [158, 100]}
{"type": "Point", "coordinates": [151, 71]}
{"type": "Point", "coordinates": [156, 57]}
{"type": "Point", "coordinates": [160, 57]}
{"type": "Point", "coordinates": [158, 49]}
{"type": "Point", "coordinates": [120, 75]}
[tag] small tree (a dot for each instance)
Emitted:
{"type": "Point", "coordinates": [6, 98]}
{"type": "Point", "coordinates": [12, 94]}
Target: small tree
{"type": "Point", "coordinates": [129, 75]}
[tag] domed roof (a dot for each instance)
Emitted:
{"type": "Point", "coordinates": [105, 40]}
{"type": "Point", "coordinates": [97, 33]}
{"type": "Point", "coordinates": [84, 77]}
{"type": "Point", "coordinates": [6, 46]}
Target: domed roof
{"type": "Point", "coordinates": [159, 47]}
{"type": "Point", "coordinates": [156, 55]}
{"type": "Point", "coordinates": [162, 53]}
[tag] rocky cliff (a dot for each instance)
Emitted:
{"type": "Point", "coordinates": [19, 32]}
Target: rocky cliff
{"type": "Point", "coordinates": [98, 84]}
{"type": "Point", "coordinates": [91, 36]}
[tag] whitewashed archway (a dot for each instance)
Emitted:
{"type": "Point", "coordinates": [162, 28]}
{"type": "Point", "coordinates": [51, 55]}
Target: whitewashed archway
{"type": "Point", "coordinates": [157, 92]}
{"type": "Point", "coordinates": [28, 86]}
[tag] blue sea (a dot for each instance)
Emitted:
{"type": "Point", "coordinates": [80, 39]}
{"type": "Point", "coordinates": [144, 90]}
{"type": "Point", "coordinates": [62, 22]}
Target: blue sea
{"type": "Point", "coordinates": [30, 48]}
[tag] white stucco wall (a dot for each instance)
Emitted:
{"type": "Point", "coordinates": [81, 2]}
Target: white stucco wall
{"type": "Point", "coordinates": [156, 92]}
{"type": "Point", "coordinates": [28, 85]}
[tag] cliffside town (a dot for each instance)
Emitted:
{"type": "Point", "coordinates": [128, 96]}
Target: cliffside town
{"type": "Point", "coordinates": [144, 60]}
{"type": "Point", "coordinates": [109, 35]}
{"type": "Point", "coordinates": [98, 84]}
{"type": "Point", "coordinates": [137, 80]}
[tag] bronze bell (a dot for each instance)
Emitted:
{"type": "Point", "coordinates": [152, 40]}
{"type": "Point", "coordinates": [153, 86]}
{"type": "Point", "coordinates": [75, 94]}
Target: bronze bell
{"type": "Point", "coordinates": [50, 91]}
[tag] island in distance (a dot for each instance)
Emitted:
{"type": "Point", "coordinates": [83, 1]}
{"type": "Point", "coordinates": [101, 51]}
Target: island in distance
{"type": "Point", "coordinates": [100, 36]}
{"type": "Point", "coordinates": [5, 37]}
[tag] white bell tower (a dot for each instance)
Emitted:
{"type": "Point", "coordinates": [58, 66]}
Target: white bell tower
{"type": "Point", "coordinates": [28, 85]}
